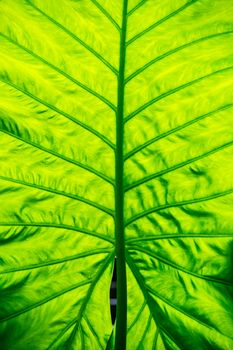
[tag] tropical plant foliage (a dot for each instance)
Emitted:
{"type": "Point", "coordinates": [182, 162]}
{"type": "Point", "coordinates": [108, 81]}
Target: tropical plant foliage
{"type": "Point", "coordinates": [116, 139]}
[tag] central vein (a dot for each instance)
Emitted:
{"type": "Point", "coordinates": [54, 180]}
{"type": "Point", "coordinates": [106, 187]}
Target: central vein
{"type": "Point", "coordinates": [121, 317]}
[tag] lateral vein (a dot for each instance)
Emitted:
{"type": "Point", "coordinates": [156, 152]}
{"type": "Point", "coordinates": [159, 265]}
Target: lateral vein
{"type": "Point", "coordinates": [172, 91]}
{"type": "Point", "coordinates": [66, 115]}
{"type": "Point", "coordinates": [178, 204]}
{"type": "Point", "coordinates": [57, 261]}
{"type": "Point", "coordinates": [46, 300]}
{"type": "Point", "coordinates": [67, 76]}
{"type": "Point", "coordinates": [88, 296]}
{"type": "Point", "coordinates": [61, 156]}
{"type": "Point", "coordinates": [59, 226]}
{"type": "Point", "coordinates": [75, 37]}
{"type": "Point", "coordinates": [146, 294]}
{"type": "Point", "coordinates": [156, 24]}
{"type": "Point", "coordinates": [171, 52]}
{"type": "Point", "coordinates": [107, 15]}
{"type": "Point", "coordinates": [60, 193]}
{"type": "Point", "coordinates": [135, 8]}
{"type": "Point", "coordinates": [178, 166]}
{"type": "Point", "coordinates": [180, 268]}
{"type": "Point", "coordinates": [174, 236]}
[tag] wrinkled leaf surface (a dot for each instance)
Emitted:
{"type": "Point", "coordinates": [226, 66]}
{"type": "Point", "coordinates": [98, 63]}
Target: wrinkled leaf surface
{"type": "Point", "coordinates": [59, 89]}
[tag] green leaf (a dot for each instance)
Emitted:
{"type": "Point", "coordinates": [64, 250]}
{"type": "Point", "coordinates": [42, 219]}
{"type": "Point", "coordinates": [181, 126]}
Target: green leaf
{"type": "Point", "coordinates": [116, 140]}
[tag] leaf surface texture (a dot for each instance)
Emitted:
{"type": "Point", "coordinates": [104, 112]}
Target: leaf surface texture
{"type": "Point", "coordinates": [60, 82]}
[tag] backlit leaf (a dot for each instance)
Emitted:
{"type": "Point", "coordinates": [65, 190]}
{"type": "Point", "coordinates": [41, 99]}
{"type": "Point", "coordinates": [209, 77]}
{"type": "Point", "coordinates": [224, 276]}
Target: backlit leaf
{"type": "Point", "coordinates": [116, 140]}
